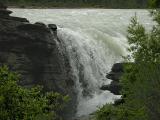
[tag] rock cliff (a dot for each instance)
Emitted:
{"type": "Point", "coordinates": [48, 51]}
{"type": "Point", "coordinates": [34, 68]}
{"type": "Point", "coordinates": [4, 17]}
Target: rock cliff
{"type": "Point", "coordinates": [33, 50]}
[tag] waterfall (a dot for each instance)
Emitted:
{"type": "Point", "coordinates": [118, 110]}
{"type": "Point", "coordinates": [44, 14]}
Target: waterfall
{"type": "Point", "coordinates": [93, 39]}
{"type": "Point", "coordinates": [90, 60]}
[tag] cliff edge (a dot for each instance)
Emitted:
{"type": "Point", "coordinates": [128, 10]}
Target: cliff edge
{"type": "Point", "coordinates": [33, 50]}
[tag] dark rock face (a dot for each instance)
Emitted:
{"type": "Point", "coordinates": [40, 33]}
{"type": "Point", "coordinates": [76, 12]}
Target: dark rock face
{"type": "Point", "coordinates": [114, 87]}
{"type": "Point", "coordinates": [119, 102]}
{"type": "Point", "coordinates": [32, 51]}
{"type": "Point", "coordinates": [2, 6]}
{"type": "Point", "coordinates": [116, 72]}
{"type": "Point", "coordinates": [53, 27]}
{"type": "Point", "coordinates": [115, 75]}
{"type": "Point", "coordinates": [5, 12]}
{"type": "Point", "coordinates": [34, 27]}
{"type": "Point", "coordinates": [40, 23]}
{"type": "Point", "coordinates": [118, 67]}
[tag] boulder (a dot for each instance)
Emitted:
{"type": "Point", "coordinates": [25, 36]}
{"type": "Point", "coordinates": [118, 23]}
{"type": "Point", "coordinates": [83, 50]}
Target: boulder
{"type": "Point", "coordinates": [52, 27]}
{"type": "Point", "coordinates": [114, 75]}
{"type": "Point", "coordinates": [40, 23]}
{"type": "Point", "coordinates": [114, 87]}
{"type": "Point", "coordinates": [117, 71]}
{"type": "Point", "coordinates": [118, 67]}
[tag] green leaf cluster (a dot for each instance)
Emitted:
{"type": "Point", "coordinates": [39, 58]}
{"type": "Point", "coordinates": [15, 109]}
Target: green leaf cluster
{"type": "Point", "coordinates": [80, 3]}
{"type": "Point", "coordinates": [19, 103]}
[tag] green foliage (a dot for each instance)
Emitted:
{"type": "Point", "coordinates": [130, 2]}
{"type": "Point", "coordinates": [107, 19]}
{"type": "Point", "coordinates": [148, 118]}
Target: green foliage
{"type": "Point", "coordinates": [19, 103]}
{"type": "Point", "coordinates": [122, 112]}
{"type": "Point", "coordinates": [145, 47]}
{"type": "Point", "coordinates": [141, 81]}
{"type": "Point", "coordinates": [109, 112]}
{"type": "Point", "coordinates": [153, 3]}
{"type": "Point", "coordinates": [80, 3]}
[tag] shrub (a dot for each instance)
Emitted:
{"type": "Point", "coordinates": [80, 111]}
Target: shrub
{"type": "Point", "coordinates": [19, 103]}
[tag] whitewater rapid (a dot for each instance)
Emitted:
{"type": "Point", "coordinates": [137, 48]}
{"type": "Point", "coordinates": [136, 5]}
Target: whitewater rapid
{"type": "Point", "coordinates": [95, 39]}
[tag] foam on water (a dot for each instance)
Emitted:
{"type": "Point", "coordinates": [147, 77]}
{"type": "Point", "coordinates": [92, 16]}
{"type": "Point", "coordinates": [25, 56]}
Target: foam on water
{"type": "Point", "coordinates": [90, 59]}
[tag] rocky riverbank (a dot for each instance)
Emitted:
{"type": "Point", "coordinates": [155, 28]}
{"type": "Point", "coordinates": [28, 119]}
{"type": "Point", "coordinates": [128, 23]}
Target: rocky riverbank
{"type": "Point", "coordinates": [117, 71]}
{"type": "Point", "coordinates": [115, 75]}
{"type": "Point", "coordinates": [33, 50]}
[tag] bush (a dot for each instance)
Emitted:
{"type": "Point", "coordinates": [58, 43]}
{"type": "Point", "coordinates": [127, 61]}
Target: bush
{"type": "Point", "coordinates": [19, 103]}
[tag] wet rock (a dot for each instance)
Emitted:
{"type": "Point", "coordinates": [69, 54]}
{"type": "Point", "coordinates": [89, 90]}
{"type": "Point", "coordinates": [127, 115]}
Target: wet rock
{"type": "Point", "coordinates": [118, 67]}
{"type": "Point", "coordinates": [33, 27]}
{"type": "Point", "coordinates": [4, 12]}
{"type": "Point", "coordinates": [19, 19]}
{"type": "Point", "coordinates": [114, 75]}
{"type": "Point", "coordinates": [52, 27]}
{"type": "Point", "coordinates": [40, 23]}
{"type": "Point", "coordinates": [114, 87]}
{"type": "Point", "coordinates": [11, 18]}
{"type": "Point", "coordinates": [119, 102]}
{"type": "Point", "coordinates": [116, 72]}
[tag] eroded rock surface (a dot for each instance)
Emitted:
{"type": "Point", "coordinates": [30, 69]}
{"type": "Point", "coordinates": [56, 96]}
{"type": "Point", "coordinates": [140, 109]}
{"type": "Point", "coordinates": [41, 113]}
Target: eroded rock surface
{"type": "Point", "coordinates": [33, 50]}
{"type": "Point", "coordinates": [115, 75]}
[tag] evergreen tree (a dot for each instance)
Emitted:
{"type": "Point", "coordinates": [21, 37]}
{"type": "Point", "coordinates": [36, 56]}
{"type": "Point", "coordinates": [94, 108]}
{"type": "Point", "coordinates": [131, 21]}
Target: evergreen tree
{"type": "Point", "coordinates": [141, 81]}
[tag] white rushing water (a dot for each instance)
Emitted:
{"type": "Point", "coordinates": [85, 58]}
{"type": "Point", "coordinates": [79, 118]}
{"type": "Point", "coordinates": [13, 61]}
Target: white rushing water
{"type": "Point", "coordinates": [95, 39]}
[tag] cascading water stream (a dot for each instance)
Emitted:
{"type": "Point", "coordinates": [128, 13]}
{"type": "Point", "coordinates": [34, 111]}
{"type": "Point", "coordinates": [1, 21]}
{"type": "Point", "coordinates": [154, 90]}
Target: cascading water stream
{"type": "Point", "coordinates": [89, 66]}
{"type": "Point", "coordinates": [94, 40]}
